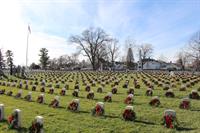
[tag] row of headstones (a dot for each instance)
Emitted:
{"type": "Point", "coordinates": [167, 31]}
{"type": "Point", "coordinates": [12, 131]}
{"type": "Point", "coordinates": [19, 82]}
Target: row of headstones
{"type": "Point", "coordinates": [15, 121]}
{"type": "Point", "coordinates": [167, 86]}
{"type": "Point", "coordinates": [169, 93]}
{"type": "Point", "coordinates": [185, 103]}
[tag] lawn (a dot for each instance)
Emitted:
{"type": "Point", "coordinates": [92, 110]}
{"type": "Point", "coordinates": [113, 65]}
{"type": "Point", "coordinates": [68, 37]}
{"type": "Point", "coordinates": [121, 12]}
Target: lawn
{"type": "Point", "coordinates": [61, 120]}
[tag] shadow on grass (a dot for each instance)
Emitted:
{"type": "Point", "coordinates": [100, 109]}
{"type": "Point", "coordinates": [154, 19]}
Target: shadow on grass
{"type": "Point", "coordinates": [112, 116]}
{"type": "Point", "coordinates": [21, 130]}
{"type": "Point", "coordinates": [185, 129]}
{"type": "Point", "coordinates": [84, 112]}
{"type": "Point", "coordinates": [145, 122]}
{"type": "Point", "coordinates": [195, 110]}
{"type": "Point", "coordinates": [62, 107]}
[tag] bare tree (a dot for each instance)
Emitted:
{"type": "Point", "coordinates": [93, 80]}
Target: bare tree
{"type": "Point", "coordinates": [113, 49]}
{"type": "Point", "coordinates": [193, 50]}
{"type": "Point", "coordinates": [162, 58]}
{"type": "Point", "coordinates": [146, 50]}
{"type": "Point", "coordinates": [102, 55]}
{"type": "Point", "coordinates": [182, 59]}
{"type": "Point", "coordinates": [91, 41]}
{"type": "Point", "coordinates": [130, 43]}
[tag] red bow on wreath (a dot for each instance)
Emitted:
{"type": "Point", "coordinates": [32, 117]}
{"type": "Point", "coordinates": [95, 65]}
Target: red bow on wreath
{"type": "Point", "coordinates": [169, 121]}
{"type": "Point", "coordinates": [98, 109]}
{"type": "Point", "coordinates": [10, 119]}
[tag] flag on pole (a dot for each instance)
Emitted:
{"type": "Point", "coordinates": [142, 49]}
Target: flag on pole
{"type": "Point", "coordinates": [29, 29]}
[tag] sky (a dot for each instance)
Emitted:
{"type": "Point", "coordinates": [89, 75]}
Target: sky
{"type": "Point", "coordinates": [166, 24]}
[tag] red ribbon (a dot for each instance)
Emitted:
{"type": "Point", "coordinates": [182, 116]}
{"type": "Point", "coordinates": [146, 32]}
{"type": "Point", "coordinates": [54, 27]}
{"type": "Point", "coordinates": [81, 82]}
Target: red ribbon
{"type": "Point", "coordinates": [169, 121]}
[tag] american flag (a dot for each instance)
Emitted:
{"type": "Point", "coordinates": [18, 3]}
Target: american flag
{"type": "Point", "coordinates": [29, 29]}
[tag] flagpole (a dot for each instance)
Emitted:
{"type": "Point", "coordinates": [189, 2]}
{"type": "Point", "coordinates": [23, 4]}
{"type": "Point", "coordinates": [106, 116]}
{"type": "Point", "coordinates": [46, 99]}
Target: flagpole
{"type": "Point", "coordinates": [27, 50]}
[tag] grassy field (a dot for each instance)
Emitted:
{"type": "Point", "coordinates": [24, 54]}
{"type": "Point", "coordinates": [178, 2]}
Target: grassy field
{"type": "Point", "coordinates": [60, 120]}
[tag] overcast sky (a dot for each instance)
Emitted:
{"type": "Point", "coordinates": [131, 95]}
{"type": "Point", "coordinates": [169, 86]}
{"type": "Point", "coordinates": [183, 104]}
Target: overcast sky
{"type": "Point", "coordinates": [167, 25]}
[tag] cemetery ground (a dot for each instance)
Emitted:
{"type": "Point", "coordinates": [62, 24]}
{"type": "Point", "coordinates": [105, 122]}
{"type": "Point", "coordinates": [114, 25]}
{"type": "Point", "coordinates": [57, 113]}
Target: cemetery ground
{"type": "Point", "coordinates": [61, 120]}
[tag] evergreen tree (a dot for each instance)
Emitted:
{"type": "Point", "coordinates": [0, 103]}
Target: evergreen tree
{"type": "Point", "coordinates": [44, 58]}
{"type": "Point", "coordinates": [9, 56]}
{"type": "Point", "coordinates": [2, 61]}
{"type": "Point", "coordinates": [130, 59]}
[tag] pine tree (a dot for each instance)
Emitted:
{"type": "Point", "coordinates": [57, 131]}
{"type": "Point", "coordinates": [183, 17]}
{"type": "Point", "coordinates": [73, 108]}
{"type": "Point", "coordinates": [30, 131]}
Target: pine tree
{"type": "Point", "coordinates": [130, 58]}
{"type": "Point", "coordinates": [9, 56]}
{"type": "Point", "coordinates": [2, 61]}
{"type": "Point", "coordinates": [44, 58]}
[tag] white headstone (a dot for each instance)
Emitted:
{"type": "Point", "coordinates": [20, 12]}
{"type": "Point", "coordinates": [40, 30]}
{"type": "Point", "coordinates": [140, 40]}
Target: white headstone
{"type": "Point", "coordinates": [130, 95]}
{"type": "Point", "coordinates": [100, 104]}
{"type": "Point", "coordinates": [110, 94]}
{"type": "Point", "coordinates": [2, 112]}
{"type": "Point", "coordinates": [170, 112]}
{"type": "Point", "coordinates": [57, 98]}
{"type": "Point", "coordinates": [18, 111]}
{"type": "Point", "coordinates": [129, 107]}
{"type": "Point", "coordinates": [20, 91]}
{"type": "Point", "coordinates": [39, 119]}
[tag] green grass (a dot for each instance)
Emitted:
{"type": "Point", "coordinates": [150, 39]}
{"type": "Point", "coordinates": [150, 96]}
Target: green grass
{"type": "Point", "coordinates": [60, 120]}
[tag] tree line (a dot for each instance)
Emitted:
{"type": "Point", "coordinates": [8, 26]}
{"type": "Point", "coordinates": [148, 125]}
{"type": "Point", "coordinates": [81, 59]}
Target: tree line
{"type": "Point", "coordinates": [101, 48]}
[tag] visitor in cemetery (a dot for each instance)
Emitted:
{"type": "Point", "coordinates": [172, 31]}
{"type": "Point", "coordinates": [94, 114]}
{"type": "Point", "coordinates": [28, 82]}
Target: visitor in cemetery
{"type": "Point", "coordinates": [98, 110]}
{"type": "Point", "coordinates": [74, 105]}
